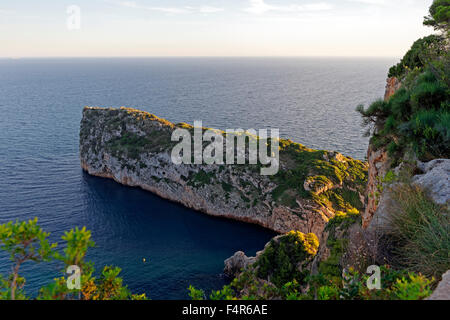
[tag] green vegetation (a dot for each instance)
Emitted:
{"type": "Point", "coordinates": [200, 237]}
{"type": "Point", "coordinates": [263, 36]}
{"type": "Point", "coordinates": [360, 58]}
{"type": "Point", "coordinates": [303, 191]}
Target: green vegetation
{"type": "Point", "coordinates": [415, 120]}
{"type": "Point", "coordinates": [420, 230]}
{"type": "Point", "coordinates": [124, 144]}
{"type": "Point", "coordinates": [227, 187]}
{"type": "Point", "coordinates": [281, 258]}
{"type": "Point", "coordinates": [131, 145]}
{"type": "Point", "coordinates": [417, 57]}
{"type": "Point", "coordinates": [337, 241]}
{"type": "Point", "coordinates": [439, 17]}
{"type": "Point", "coordinates": [284, 264]}
{"type": "Point", "coordinates": [395, 285]}
{"type": "Point", "coordinates": [200, 178]}
{"type": "Point", "coordinates": [324, 172]}
{"type": "Point", "coordinates": [24, 242]}
{"type": "Point", "coordinates": [283, 272]}
{"type": "Point", "coordinates": [27, 242]}
{"type": "Point", "coordinates": [417, 116]}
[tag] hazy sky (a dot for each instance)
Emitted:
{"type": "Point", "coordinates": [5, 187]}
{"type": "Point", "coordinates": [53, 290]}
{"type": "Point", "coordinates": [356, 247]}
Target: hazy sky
{"type": "Point", "coordinates": [212, 27]}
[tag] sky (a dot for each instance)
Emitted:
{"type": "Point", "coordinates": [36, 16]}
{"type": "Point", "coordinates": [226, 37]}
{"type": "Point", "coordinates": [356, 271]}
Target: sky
{"type": "Point", "coordinates": [135, 28]}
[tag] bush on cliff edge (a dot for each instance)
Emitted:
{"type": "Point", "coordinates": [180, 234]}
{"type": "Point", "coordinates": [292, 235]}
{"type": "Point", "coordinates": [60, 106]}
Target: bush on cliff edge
{"type": "Point", "coordinates": [420, 230]}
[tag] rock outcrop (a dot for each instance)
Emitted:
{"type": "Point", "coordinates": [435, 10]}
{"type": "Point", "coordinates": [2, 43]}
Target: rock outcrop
{"type": "Point", "coordinates": [393, 84]}
{"type": "Point", "coordinates": [289, 255]}
{"type": "Point", "coordinates": [380, 220]}
{"type": "Point", "coordinates": [379, 165]}
{"type": "Point", "coordinates": [134, 148]}
{"type": "Point", "coordinates": [442, 291]}
{"type": "Point", "coordinates": [235, 264]}
{"type": "Point", "coordinates": [435, 179]}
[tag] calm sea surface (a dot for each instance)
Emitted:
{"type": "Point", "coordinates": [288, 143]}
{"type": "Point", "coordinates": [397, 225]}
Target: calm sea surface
{"type": "Point", "coordinates": [312, 101]}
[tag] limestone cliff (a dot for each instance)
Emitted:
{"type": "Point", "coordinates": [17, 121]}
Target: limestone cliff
{"type": "Point", "coordinates": [434, 176]}
{"type": "Point", "coordinates": [379, 165]}
{"type": "Point", "coordinates": [392, 85]}
{"type": "Point", "coordinates": [134, 148]}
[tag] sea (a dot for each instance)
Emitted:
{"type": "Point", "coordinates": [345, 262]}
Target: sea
{"type": "Point", "coordinates": [161, 247]}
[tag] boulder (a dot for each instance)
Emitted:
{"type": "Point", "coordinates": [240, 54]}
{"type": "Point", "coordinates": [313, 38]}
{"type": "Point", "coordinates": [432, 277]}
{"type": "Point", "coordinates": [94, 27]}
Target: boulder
{"type": "Point", "coordinates": [436, 179]}
{"type": "Point", "coordinates": [442, 291]}
{"type": "Point", "coordinates": [235, 264]}
{"type": "Point", "coordinates": [381, 218]}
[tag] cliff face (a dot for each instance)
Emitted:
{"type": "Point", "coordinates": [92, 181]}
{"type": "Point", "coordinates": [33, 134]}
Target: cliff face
{"type": "Point", "coordinates": [134, 148]}
{"type": "Point", "coordinates": [434, 178]}
{"type": "Point", "coordinates": [392, 85]}
{"type": "Point", "coordinates": [379, 165]}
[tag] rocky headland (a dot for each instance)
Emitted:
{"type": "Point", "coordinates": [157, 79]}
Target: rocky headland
{"type": "Point", "coordinates": [134, 148]}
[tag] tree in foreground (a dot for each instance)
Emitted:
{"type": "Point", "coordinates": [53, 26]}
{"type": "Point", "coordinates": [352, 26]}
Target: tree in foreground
{"type": "Point", "coordinates": [439, 17]}
{"type": "Point", "coordinates": [27, 242]}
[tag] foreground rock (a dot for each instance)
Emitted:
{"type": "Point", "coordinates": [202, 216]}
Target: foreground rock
{"type": "Point", "coordinates": [238, 262]}
{"type": "Point", "coordinates": [379, 165]}
{"type": "Point", "coordinates": [442, 292]}
{"type": "Point", "coordinates": [284, 258]}
{"type": "Point", "coordinates": [134, 148]}
{"type": "Point", "coordinates": [436, 179]}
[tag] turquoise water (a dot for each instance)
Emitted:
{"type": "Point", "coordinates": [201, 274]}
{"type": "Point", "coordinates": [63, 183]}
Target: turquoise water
{"type": "Point", "coordinates": [311, 100]}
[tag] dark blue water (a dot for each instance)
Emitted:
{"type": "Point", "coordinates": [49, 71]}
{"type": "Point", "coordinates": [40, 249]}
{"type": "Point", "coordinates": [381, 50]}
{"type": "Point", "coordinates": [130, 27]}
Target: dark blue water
{"type": "Point", "coordinates": [311, 100]}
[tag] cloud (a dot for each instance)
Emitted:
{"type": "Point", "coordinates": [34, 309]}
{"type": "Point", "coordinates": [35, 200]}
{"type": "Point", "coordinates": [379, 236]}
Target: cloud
{"type": "Point", "coordinates": [6, 12]}
{"type": "Point", "coordinates": [391, 3]}
{"type": "Point", "coordinates": [208, 9]}
{"type": "Point", "coordinates": [134, 5]}
{"type": "Point", "coordinates": [18, 15]}
{"type": "Point", "coordinates": [261, 7]}
{"type": "Point", "coordinates": [169, 10]}
{"type": "Point", "coordinates": [372, 2]}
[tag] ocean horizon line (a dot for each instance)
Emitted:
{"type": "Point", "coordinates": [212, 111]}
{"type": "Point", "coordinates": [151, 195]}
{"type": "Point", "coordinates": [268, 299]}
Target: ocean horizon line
{"type": "Point", "coordinates": [198, 57]}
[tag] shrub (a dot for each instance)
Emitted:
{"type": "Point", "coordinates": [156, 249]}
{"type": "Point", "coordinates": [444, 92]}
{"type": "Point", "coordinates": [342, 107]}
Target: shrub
{"type": "Point", "coordinates": [416, 118]}
{"type": "Point", "coordinates": [341, 222]}
{"type": "Point", "coordinates": [439, 16]}
{"type": "Point", "coordinates": [282, 257]}
{"type": "Point", "coordinates": [420, 228]}
{"type": "Point", "coordinates": [196, 294]}
{"type": "Point", "coordinates": [26, 241]}
{"type": "Point", "coordinates": [328, 293]}
{"type": "Point", "coordinates": [417, 287]}
{"type": "Point", "coordinates": [415, 57]}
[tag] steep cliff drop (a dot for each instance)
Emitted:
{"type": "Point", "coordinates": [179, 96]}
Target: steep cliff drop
{"type": "Point", "coordinates": [379, 165]}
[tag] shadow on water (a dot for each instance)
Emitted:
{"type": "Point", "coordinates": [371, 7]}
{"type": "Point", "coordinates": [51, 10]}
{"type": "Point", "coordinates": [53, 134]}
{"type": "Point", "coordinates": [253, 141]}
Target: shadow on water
{"type": "Point", "coordinates": [181, 246]}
